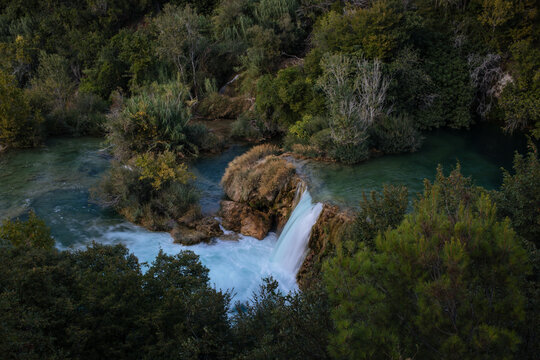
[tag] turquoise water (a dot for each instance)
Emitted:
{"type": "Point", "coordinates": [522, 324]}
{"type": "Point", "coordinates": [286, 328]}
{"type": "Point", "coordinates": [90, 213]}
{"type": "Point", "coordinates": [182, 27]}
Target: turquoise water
{"type": "Point", "coordinates": [481, 152]}
{"type": "Point", "coordinates": [209, 170]}
{"type": "Point", "coordinates": [54, 181]}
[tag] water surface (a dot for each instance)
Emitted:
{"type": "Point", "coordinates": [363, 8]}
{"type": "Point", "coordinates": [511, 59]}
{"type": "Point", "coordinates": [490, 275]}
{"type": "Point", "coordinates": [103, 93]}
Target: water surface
{"type": "Point", "coordinates": [481, 153]}
{"type": "Point", "coordinates": [54, 181]}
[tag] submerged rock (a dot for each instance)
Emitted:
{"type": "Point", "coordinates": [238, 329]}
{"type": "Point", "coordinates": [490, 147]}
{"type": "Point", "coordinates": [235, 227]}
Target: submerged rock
{"type": "Point", "coordinates": [196, 231]}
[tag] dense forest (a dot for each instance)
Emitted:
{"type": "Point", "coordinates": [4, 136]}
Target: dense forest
{"type": "Point", "coordinates": [455, 276]}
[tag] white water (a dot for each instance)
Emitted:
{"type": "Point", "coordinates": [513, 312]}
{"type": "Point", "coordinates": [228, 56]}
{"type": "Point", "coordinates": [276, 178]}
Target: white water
{"type": "Point", "coordinates": [236, 265]}
{"type": "Point", "coordinates": [292, 245]}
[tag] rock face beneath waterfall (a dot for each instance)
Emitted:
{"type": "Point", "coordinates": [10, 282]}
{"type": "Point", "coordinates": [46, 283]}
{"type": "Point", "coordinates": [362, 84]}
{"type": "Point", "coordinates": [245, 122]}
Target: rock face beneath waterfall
{"type": "Point", "coordinates": [261, 188]}
{"type": "Point", "coordinates": [242, 218]}
{"type": "Point", "coordinates": [325, 235]}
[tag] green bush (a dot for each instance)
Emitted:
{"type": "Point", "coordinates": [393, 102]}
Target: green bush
{"type": "Point", "coordinates": [252, 127]}
{"type": "Point", "coordinates": [32, 232]}
{"type": "Point", "coordinates": [448, 282]}
{"type": "Point", "coordinates": [350, 153]}
{"type": "Point", "coordinates": [151, 197]}
{"type": "Point", "coordinates": [156, 120]}
{"type": "Point", "coordinates": [20, 125]}
{"type": "Point", "coordinates": [288, 97]}
{"type": "Point", "coordinates": [397, 134]}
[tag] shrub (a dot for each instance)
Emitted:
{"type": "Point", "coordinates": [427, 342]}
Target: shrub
{"type": "Point", "coordinates": [309, 125]}
{"type": "Point", "coordinates": [397, 134]}
{"type": "Point", "coordinates": [156, 120]}
{"type": "Point", "coordinates": [161, 169]}
{"type": "Point", "coordinates": [350, 153]}
{"type": "Point", "coordinates": [288, 97]}
{"type": "Point", "coordinates": [322, 140]}
{"type": "Point", "coordinates": [20, 125]}
{"type": "Point", "coordinates": [253, 127]}
{"type": "Point", "coordinates": [32, 232]}
{"type": "Point", "coordinates": [149, 190]}
{"type": "Point", "coordinates": [446, 283]}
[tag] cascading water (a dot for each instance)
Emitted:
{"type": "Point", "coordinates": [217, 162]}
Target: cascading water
{"type": "Point", "coordinates": [291, 248]}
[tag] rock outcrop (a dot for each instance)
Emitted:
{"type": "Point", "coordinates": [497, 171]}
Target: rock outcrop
{"type": "Point", "coordinates": [191, 231]}
{"type": "Point", "coordinates": [243, 219]}
{"type": "Point", "coordinates": [261, 187]}
{"type": "Point", "coordinates": [325, 235]}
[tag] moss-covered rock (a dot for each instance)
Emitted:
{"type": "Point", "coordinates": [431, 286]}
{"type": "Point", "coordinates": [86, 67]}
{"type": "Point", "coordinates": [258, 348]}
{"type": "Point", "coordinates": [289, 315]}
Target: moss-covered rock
{"type": "Point", "coordinates": [191, 231]}
{"type": "Point", "coordinates": [259, 182]}
{"type": "Point", "coordinates": [325, 234]}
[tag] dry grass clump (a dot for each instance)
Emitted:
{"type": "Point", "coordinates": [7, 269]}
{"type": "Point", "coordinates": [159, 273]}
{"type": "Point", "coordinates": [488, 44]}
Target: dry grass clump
{"type": "Point", "coordinates": [309, 151]}
{"type": "Point", "coordinates": [242, 164]}
{"type": "Point", "coordinates": [258, 176]}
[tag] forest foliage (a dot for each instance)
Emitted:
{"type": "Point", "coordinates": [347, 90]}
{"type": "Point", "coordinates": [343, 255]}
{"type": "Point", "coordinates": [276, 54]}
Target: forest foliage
{"type": "Point", "coordinates": [452, 279]}
{"type": "Point", "coordinates": [343, 80]}
{"type": "Point", "coordinates": [409, 66]}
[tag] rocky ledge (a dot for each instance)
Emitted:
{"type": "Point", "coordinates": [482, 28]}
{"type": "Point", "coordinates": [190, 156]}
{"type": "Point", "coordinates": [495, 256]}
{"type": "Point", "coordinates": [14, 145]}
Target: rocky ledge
{"type": "Point", "coordinates": [260, 186]}
{"type": "Point", "coordinates": [325, 235]}
{"type": "Point", "coordinates": [191, 230]}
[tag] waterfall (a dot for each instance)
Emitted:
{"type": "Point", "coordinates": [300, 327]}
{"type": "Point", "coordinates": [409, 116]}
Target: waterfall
{"type": "Point", "coordinates": [291, 248]}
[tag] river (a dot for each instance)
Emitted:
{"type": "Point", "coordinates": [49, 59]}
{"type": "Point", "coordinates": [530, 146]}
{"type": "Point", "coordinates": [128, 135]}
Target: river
{"type": "Point", "coordinates": [55, 180]}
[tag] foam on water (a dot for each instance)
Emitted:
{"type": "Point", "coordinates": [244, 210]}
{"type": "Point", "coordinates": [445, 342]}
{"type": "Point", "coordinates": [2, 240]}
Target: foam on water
{"type": "Point", "coordinates": [238, 266]}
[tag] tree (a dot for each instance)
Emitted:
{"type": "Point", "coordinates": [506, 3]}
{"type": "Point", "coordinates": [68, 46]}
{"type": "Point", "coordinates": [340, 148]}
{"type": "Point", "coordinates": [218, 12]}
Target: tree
{"type": "Point", "coordinates": [282, 326]}
{"type": "Point", "coordinates": [183, 40]}
{"type": "Point", "coordinates": [356, 94]}
{"type": "Point", "coordinates": [53, 81]}
{"type": "Point", "coordinates": [32, 232]}
{"type": "Point", "coordinates": [19, 124]}
{"type": "Point", "coordinates": [447, 283]}
{"type": "Point", "coordinates": [374, 32]}
{"type": "Point", "coordinates": [188, 318]}
{"type": "Point", "coordinates": [519, 195]}
{"type": "Point", "coordinates": [95, 303]}
{"type": "Point", "coordinates": [377, 213]}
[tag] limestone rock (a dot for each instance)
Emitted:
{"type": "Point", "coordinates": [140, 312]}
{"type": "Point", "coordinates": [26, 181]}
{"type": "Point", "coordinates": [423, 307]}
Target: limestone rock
{"type": "Point", "coordinates": [196, 231]}
{"type": "Point", "coordinates": [186, 236]}
{"type": "Point", "coordinates": [325, 235]}
{"type": "Point", "coordinates": [242, 218]}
